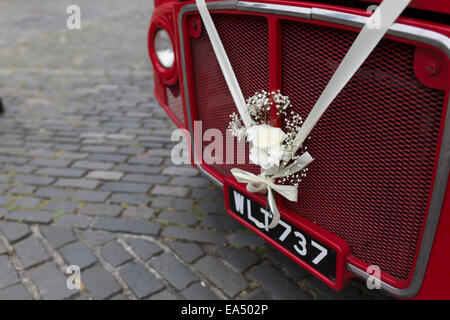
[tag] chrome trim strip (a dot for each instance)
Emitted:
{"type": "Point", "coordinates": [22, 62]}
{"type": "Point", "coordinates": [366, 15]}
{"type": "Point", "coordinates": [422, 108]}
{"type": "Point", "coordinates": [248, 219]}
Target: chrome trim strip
{"type": "Point", "coordinates": [400, 30]}
{"type": "Point", "coordinates": [298, 12]}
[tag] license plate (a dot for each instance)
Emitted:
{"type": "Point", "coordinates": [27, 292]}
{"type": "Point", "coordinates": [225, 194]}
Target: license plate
{"type": "Point", "coordinates": [305, 247]}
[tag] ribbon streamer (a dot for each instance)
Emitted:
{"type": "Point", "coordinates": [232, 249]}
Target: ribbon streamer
{"type": "Point", "coordinates": [262, 183]}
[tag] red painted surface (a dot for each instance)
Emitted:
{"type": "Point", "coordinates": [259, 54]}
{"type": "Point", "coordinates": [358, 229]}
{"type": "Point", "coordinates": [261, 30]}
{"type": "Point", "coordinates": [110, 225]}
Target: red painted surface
{"type": "Point", "coordinates": [437, 281]}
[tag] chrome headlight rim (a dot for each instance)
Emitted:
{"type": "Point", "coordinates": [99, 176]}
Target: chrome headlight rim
{"type": "Point", "coordinates": [164, 48]}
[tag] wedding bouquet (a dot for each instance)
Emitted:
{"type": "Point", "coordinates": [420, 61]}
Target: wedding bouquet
{"type": "Point", "coordinates": [273, 149]}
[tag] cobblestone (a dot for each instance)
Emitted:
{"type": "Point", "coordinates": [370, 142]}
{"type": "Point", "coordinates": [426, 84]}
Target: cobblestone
{"type": "Point", "coordinates": [140, 281]}
{"type": "Point", "coordinates": [173, 271]}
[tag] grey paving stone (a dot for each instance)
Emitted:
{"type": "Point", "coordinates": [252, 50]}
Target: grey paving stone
{"type": "Point", "coordinates": [173, 271]}
{"type": "Point", "coordinates": [245, 239]}
{"type": "Point", "coordinates": [22, 190]}
{"type": "Point", "coordinates": [220, 222]}
{"type": "Point", "coordinates": [180, 171]}
{"type": "Point", "coordinates": [77, 183]}
{"type": "Point", "coordinates": [199, 292]}
{"type": "Point", "coordinates": [2, 249]}
{"type": "Point", "coordinates": [4, 187]}
{"type": "Point", "coordinates": [151, 161]}
{"type": "Point", "coordinates": [190, 182]}
{"type": "Point", "coordinates": [138, 169]}
{"type": "Point", "coordinates": [173, 203]}
{"type": "Point", "coordinates": [146, 178]}
{"type": "Point", "coordinates": [100, 283]}
{"type": "Point", "coordinates": [50, 162]}
{"type": "Point", "coordinates": [187, 251]}
{"type": "Point", "coordinates": [115, 158]}
{"type": "Point", "coordinates": [16, 292]}
{"type": "Point", "coordinates": [170, 191]}
{"type": "Point", "coordinates": [3, 212]}
{"type": "Point", "coordinates": [126, 187]}
{"type": "Point", "coordinates": [128, 226]}
{"type": "Point", "coordinates": [257, 295]}
{"type": "Point", "coordinates": [99, 209]}
{"type": "Point", "coordinates": [273, 281]}
{"type": "Point", "coordinates": [4, 200]}
{"type": "Point", "coordinates": [14, 231]}
{"type": "Point", "coordinates": [65, 173]}
{"type": "Point", "coordinates": [27, 202]}
{"type": "Point", "coordinates": [8, 274]}
{"type": "Point", "coordinates": [103, 149]}
{"type": "Point", "coordinates": [98, 238]}
{"type": "Point", "coordinates": [31, 216]}
{"type": "Point", "coordinates": [220, 275]}
{"type": "Point", "coordinates": [138, 212]}
{"type": "Point", "coordinates": [74, 220]}
{"type": "Point", "coordinates": [212, 207]}
{"type": "Point", "coordinates": [51, 282]}
{"type": "Point", "coordinates": [241, 259]}
{"type": "Point", "coordinates": [66, 147]}
{"type": "Point", "coordinates": [195, 235]}
{"type": "Point", "coordinates": [177, 217]}
{"type": "Point", "coordinates": [164, 295]}
{"type": "Point", "coordinates": [207, 193]}
{"type": "Point", "coordinates": [72, 155]}
{"type": "Point", "coordinates": [61, 205]}
{"type": "Point", "coordinates": [31, 252]}
{"type": "Point", "coordinates": [140, 280]}
{"type": "Point", "coordinates": [130, 198]}
{"type": "Point", "coordinates": [55, 193]}
{"type": "Point", "coordinates": [143, 248]}
{"type": "Point", "coordinates": [105, 175]}
{"type": "Point", "coordinates": [35, 180]}
{"type": "Point", "coordinates": [90, 196]}
{"type": "Point", "coordinates": [115, 254]}
{"type": "Point", "coordinates": [57, 236]}
{"type": "Point", "coordinates": [19, 169]}
{"type": "Point", "coordinates": [78, 254]}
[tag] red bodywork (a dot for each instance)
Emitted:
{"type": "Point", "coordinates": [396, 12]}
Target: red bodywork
{"type": "Point", "coordinates": [169, 87]}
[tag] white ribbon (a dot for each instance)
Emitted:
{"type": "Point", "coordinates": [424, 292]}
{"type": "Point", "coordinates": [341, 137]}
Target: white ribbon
{"type": "Point", "coordinates": [366, 41]}
{"type": "Point", "coordinates": [262, 183]}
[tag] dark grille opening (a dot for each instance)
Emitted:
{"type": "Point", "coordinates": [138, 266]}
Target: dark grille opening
{"type": "Point", "coordinates": [374, 147]}
{"type": "Point", "coordinates": [174, 101]}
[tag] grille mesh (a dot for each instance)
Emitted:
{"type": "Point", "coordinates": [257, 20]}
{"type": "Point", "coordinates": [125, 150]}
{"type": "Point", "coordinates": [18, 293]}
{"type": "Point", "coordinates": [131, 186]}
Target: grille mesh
{"type": "Point", "coordinates": [245, 39]}
{"type": "Point", "coordinates": [371, 179]}
{"type": "Point", "coordinates": [174, 101]}
{"type": "Point", "coordinates": [374, 147]}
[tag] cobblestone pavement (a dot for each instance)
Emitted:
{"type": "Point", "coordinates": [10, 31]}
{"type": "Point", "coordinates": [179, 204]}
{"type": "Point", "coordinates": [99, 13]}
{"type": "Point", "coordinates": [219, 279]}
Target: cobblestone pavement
{"type": "Point", "coordinates": [86, 179]}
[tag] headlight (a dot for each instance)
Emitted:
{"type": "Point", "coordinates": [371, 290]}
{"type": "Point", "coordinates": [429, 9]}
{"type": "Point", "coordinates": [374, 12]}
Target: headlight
{"type": "Point", "coordinates": [164, 48]}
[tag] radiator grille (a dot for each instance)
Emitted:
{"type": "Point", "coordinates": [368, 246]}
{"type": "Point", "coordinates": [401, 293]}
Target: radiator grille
{"type": "Point", "coordinates": [374, 148]}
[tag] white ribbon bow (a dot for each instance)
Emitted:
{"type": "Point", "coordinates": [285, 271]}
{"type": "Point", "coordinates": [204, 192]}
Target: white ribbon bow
{"type": "Point", "coordinates": [262, 183]}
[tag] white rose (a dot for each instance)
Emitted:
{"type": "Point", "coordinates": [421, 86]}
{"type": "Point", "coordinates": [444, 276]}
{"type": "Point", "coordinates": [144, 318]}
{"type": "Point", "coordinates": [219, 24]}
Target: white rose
{"type": "Point", "coordinates": [266, 150]}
